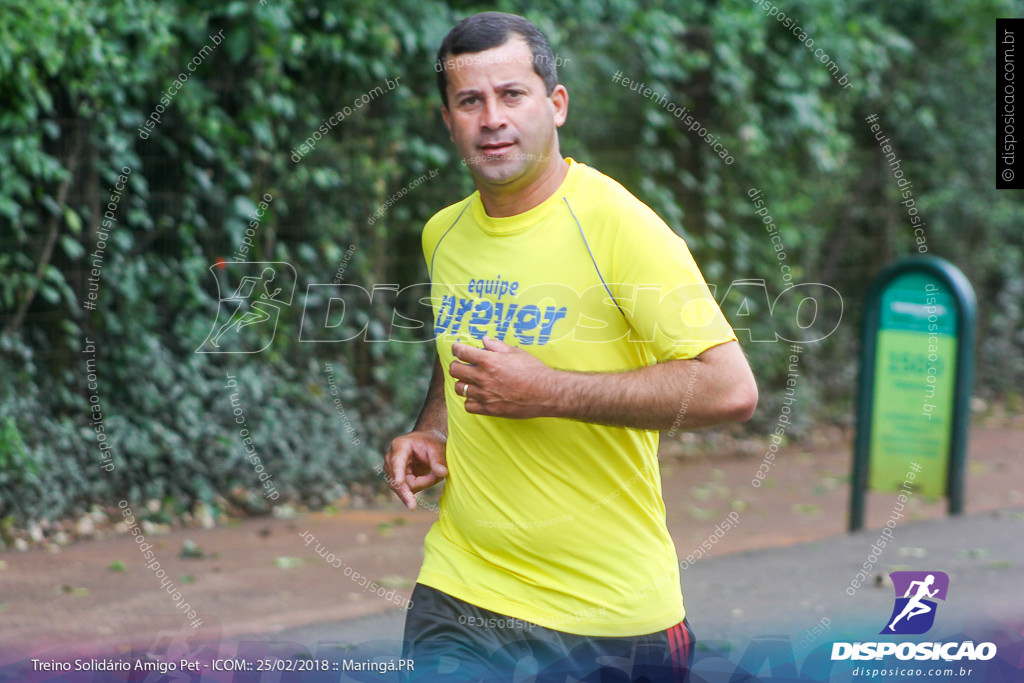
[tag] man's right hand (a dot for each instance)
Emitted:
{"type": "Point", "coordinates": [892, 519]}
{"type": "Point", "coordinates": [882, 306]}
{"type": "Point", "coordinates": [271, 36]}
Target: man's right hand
{"type": "Point", "coordinates": [415, 461]}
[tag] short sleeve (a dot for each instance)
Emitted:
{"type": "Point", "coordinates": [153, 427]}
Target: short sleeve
{"type": "Point", "coordinates": [661, 290]}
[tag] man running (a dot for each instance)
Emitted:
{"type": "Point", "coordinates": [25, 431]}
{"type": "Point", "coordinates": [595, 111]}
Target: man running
{"type": "Point", "coordinates": [571, 324]}
{"type": "Point", "coordinates": [251, 310]}
{"type": "Point", "coordinates": [915, 606]}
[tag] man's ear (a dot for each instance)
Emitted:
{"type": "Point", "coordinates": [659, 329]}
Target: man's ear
{"type": "Point", "coordinates": [446, 115]}
{"type": "Point", "coordinates": [560, 100]}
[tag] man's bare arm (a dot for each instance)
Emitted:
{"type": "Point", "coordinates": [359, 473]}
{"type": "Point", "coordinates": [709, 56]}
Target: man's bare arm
{"type": "Point", "coordinates": [416, 461]}
{"type": "Point", "coordinates": [715, 387]}
{"type": "Point", "coordinates": [434, 413]}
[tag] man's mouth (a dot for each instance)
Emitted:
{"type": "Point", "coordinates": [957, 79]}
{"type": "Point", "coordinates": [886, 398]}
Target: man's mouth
{"type": "Point", "coordinates": [495, 148]}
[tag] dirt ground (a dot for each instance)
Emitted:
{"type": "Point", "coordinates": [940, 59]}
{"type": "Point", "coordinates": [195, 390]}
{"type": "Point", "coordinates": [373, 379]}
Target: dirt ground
{"type": "Point", "coordinates": [259, 576]}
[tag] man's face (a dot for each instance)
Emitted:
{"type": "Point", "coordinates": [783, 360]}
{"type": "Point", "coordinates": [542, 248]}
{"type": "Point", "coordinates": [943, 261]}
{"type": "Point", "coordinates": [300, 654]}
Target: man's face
{"type": "Point", "coordinates": [500, 117]}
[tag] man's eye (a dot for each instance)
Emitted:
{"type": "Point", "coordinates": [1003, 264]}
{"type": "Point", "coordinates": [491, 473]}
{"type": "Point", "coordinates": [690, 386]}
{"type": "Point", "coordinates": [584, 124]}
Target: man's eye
{"type": "Point", "coordinates": [469, 101]}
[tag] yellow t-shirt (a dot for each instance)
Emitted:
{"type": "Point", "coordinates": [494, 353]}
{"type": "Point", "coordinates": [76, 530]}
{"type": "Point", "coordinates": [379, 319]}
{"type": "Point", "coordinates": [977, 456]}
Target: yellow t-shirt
{"type": "Point", "coordinates": [555, 521]}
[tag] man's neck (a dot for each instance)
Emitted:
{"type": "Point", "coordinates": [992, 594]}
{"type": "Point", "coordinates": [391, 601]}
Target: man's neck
{"type": "Point", "coordinates": [507, 203]}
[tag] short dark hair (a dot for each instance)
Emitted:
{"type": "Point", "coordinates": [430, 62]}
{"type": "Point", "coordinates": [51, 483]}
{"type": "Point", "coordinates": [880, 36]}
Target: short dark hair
{"type": "Point", "coordinates": [490, 29]}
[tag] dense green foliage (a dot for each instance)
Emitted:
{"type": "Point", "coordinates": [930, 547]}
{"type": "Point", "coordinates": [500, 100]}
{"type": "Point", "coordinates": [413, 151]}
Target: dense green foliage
{"type": "Point", "coordinates": [79, 79]}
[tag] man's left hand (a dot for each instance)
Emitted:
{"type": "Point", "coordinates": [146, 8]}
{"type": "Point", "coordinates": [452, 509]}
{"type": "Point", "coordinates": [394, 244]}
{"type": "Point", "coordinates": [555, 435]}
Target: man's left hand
{"type": "Point", "coordinates": [502, 380]}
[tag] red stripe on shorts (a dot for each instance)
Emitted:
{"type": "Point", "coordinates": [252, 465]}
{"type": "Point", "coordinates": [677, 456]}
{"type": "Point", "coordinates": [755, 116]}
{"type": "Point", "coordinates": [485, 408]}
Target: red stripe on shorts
{"type": "Point", "coordinates": [684, 665]}
{"type": "Point", "coordinates": [678, 641]}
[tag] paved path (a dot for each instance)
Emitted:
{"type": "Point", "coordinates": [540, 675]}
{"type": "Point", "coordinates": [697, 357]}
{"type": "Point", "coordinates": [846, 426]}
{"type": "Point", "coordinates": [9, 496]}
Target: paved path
{"type": "Point", "coordinates": [782, 608]}
{"type": "Point", "coordinates": [773, 612]}
{"type": "Point", "coordinates": [787, 590]}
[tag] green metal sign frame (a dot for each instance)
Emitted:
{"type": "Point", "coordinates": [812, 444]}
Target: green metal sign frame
{"type": "Point", "coordinates": [965, 304]}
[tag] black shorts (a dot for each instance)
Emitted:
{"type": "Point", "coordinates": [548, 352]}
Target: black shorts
{"type": "Point", "coordinates": [451, 640]}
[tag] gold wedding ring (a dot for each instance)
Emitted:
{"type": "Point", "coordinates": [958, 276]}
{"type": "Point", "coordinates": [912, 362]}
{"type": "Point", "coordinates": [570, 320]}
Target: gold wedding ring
{"type": "Point", "coordinates": [465, 389]}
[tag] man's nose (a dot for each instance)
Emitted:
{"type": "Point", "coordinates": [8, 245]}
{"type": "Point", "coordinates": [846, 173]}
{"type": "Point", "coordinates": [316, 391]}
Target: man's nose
{"type": "Point", "coordinates": [493, 115]}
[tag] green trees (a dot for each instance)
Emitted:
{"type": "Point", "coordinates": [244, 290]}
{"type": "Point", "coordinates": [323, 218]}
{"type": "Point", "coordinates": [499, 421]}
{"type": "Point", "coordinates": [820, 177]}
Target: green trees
{"type": "Point", "coordinates": [90, 89]}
